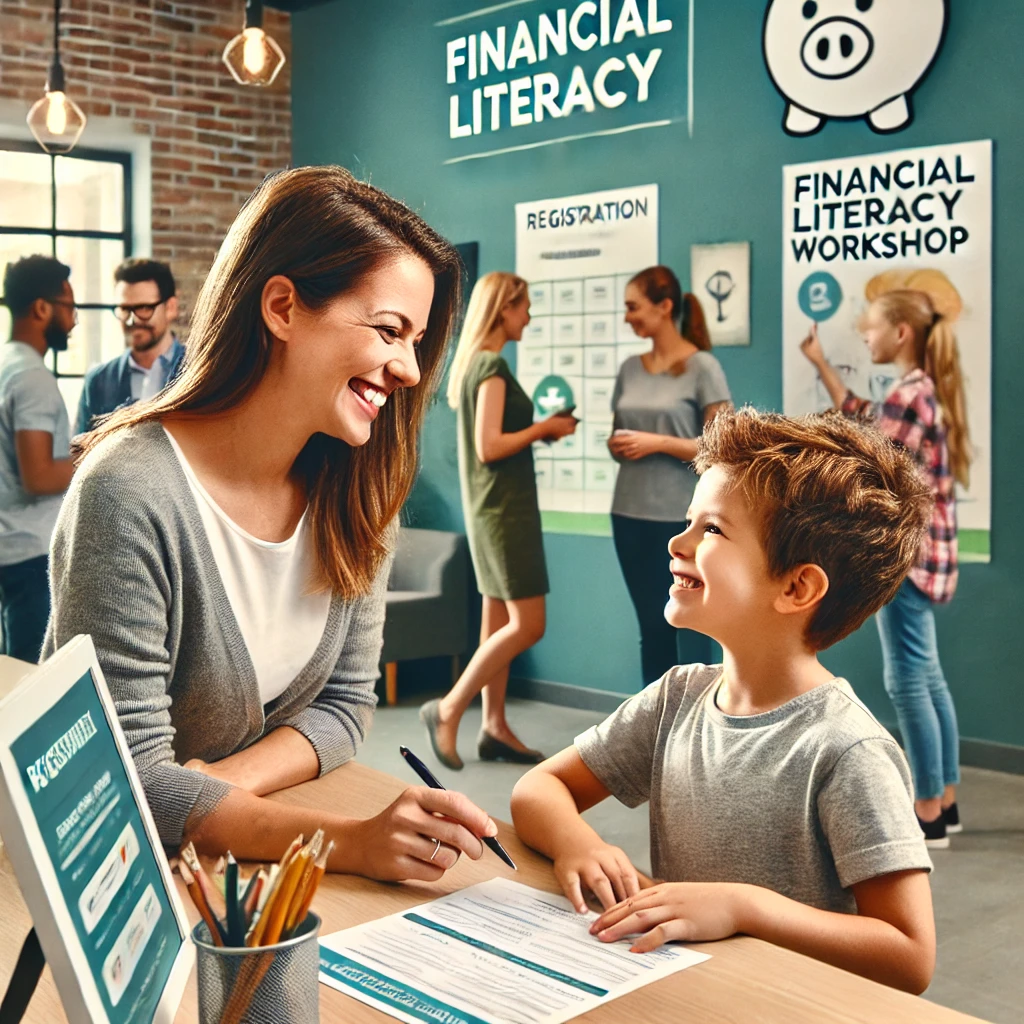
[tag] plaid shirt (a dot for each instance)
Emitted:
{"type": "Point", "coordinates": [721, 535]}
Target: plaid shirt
{"type": "Point", "coordinates": [910, 416]}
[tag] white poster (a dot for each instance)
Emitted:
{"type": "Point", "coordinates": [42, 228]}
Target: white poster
{"type": "Point", "coordinates": [720, 278]}
{"type": "Point", "coordinates": [854, 228]}
{"type": "Point", "coordinates": [578, 253]}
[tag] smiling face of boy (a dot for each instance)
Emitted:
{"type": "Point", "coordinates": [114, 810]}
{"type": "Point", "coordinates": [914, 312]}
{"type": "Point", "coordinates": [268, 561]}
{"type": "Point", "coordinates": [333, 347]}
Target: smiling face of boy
{"type": "Point", "coordinates": [722, 585]}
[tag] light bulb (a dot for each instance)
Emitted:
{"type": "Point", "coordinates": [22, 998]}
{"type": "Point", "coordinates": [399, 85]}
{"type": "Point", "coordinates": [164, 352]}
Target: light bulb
{"type": "Point", "coordinates": [254, 50]}
{"type": "Point", "coordinates": [56, 113]}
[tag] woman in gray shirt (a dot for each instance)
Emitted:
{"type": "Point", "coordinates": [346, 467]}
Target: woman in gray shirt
{"type": "Point", "coordinates": [285, 448]}
{"type": "Point", "coordinates": [662, 400]}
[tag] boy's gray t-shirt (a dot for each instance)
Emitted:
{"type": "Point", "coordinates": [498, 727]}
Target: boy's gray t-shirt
{"type": "Point", "coordinates": [660, 487]}
{"type": "Point", "coordinates": [806, 800]}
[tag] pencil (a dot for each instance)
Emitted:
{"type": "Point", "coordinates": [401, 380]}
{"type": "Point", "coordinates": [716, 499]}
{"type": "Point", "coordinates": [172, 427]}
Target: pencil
{"type": "Point", "coordinates": [210, 894]}
{"type": "Point", "coordinates": [282, 903]}
{"type": "Point", "coordinates": [255, 936]}
{"type": "Point", "coordinates": [317, 876]}
{"type": "Point", "coordinates": [251, 899]}
{"type": "Point", "coordinates": [200, 902]}
{"type": "Point", "coordinates": [236, 928]}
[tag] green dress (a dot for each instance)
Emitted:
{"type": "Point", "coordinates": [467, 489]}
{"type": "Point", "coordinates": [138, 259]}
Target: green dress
{"type": "Point", "coordinates": [499, 499]}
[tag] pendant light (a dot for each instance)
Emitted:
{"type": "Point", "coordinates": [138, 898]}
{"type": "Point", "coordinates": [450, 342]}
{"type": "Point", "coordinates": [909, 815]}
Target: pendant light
{"type": "Point", "coordinates": [56, 121]}
{"type": "Point", "coordinates": [252, 57]}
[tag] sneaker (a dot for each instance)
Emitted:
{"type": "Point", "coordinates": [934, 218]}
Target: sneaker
{"type": "Point", "coordinates": [935, 833]}
{"type": "Point", "coordinates": [952, 819]}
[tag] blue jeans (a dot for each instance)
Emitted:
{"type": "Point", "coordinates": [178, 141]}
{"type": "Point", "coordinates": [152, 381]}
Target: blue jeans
{"type": "Point", "coordinates": [25, 603]}
{"type": "Point", "coordinates": [918, 691]}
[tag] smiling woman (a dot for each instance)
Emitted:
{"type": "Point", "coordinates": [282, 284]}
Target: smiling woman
{"type": "Point", "coordinates": [235, 590]}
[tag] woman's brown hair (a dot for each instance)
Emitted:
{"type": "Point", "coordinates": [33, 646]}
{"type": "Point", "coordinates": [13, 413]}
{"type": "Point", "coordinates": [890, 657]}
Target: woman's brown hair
{"type": "Point", "coordinates": [324, 231]}
{"type": "Point", "coordinates": [660, 283]}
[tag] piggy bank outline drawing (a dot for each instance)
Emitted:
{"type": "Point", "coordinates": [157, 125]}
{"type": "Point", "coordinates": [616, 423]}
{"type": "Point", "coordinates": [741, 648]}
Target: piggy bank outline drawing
{"type": "Point", "coordinates": [851, 59]}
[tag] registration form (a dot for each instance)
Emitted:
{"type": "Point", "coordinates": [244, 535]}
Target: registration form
{"type": "Point", "coordinates": [495, 953]}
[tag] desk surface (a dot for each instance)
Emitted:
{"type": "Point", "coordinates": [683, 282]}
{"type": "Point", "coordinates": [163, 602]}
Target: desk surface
{"type": "Point", "coordinates": [745, 978]}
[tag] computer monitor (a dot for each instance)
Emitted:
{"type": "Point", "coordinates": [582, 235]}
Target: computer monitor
{"type": "Point", "coordinates": [85, 849]}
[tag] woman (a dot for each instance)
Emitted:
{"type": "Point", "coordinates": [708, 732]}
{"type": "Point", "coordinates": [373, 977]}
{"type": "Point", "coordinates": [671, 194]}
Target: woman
{"type": "Point", "coordinates": [661, 401]}
{"type": "Point", "coordinates": [499, 500]}
{"type": "Point", "coordinates": [925, 412]}
{"type": "Point", "coordinates": [226, 544]}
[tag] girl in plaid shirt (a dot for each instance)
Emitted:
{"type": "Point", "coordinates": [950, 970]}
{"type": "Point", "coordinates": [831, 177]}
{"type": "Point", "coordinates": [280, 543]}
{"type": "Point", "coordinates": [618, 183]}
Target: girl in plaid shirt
{"type": "Point", "coordinates": [925, 413]}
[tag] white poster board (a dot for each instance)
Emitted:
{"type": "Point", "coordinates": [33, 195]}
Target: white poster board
{"type": "Point", "coordinates": [720, 278]}
{"type": "Point", "coordinates": [919, 218]}
{"type": "Point", "coordinates": [578, 253]}
{"type": "Point", "coordinates": [85, 849]}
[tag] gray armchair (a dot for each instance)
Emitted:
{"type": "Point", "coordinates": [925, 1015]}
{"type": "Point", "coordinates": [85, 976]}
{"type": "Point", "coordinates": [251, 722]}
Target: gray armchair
{"type": "Point", "coordinates": [428, 602]}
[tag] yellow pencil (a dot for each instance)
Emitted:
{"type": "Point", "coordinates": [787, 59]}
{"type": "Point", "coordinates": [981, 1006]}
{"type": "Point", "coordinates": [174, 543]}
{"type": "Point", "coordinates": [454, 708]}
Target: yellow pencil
{"type": "Point", "coordinates": [279, 912]}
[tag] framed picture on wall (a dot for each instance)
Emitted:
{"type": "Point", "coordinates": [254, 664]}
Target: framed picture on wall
{"type": "Point", "coordinates": [720, 278]}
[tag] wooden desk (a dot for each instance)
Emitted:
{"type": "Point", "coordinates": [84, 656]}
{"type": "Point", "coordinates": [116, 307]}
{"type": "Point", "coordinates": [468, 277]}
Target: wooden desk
{"type": "Point", "coordinates": [746, 979]}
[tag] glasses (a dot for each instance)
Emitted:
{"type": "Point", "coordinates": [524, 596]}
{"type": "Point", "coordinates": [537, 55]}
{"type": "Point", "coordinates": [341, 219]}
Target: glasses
{"type": "Point", "coordinates": [140, 311]}
{"type": "Point", "coordinates": [65, 302]}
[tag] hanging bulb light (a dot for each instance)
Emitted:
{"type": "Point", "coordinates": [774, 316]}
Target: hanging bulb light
{"type": "Point", "coordinates": [56, 121]}
{"type": "Point", "coordinates": [252, 57]}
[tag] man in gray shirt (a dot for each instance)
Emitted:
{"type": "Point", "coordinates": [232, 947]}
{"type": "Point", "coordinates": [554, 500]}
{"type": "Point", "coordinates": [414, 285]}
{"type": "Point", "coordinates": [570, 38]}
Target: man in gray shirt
{"type": "Point", "coordinates": [35, 467]}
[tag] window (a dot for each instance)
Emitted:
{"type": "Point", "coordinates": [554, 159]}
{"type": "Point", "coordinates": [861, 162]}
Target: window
{"type": "Point", "coordinates": [77, 208]}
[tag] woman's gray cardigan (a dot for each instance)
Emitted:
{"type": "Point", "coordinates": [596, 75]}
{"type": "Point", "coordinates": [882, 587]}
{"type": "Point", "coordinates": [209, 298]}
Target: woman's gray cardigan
{"type": "Point", "coordinates": [130, 564]}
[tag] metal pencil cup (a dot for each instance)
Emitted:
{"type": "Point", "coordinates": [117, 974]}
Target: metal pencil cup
{"type": "Point", "coordinates": [277, 984]}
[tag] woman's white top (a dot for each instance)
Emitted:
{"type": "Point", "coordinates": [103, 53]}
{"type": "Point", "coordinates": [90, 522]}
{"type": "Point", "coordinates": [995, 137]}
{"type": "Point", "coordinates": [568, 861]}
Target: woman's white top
{"type": "Point", "coordinates": [267, 585]}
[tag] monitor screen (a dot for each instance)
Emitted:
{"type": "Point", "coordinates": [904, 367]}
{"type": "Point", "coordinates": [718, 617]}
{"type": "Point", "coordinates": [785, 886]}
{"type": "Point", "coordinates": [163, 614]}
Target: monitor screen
{"type": "Point", "coordinates": [72, 773]}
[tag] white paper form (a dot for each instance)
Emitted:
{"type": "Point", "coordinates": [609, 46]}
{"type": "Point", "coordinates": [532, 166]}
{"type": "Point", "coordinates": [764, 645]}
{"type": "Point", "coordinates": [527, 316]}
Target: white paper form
{"type": "Point", "coordinates": [495, 953]}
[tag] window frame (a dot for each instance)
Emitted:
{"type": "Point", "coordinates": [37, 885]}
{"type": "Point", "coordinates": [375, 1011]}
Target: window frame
{"type": "Point", "coordinates": [125, 235]}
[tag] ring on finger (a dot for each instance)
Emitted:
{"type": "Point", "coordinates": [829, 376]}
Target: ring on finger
{"type": "Point", "coordinates": [437, 846]}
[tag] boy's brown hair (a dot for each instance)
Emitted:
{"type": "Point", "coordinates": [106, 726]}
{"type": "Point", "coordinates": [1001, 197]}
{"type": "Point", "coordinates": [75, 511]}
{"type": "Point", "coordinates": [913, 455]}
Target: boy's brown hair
{"type": "Point", "coordinates": [831, 492]}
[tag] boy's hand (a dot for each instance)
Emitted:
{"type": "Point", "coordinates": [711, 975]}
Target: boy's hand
{"type": "Point", "coordinates": [603, 869]}
{"type": "Point", "coordinates": [675, 911]}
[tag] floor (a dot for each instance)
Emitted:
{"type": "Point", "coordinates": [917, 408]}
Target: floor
{"type": "Point", "coordinates": [977, 885]}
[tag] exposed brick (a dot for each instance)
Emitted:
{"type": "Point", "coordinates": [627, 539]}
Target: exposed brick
{"type": "Point", "coordinates": [157, 65]}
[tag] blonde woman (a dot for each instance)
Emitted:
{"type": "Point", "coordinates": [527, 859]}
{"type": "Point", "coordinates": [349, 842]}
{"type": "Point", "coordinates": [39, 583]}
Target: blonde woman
{"type": "Point", "coordinates": [235, 591]}
{"type": "Point", "coordinates": [925, 413]}
{"type": "Point", "coordinates": [499, 499]}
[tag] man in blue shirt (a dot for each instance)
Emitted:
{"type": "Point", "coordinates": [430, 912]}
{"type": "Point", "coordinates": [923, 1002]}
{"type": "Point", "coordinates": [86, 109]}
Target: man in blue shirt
{"type": "Point", "coordinates": [35, 467]}
{"type": "Point", "coordinates": [146, 305]}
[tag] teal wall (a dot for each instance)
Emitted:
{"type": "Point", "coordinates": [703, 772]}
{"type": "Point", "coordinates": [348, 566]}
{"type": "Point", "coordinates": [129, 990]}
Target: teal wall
{"type": "Point", "coordinates": [368, 92]}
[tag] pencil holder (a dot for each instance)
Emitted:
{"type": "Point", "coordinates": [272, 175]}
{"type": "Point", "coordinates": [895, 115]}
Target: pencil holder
{"type": "Point", "coordinates": [277, 984]}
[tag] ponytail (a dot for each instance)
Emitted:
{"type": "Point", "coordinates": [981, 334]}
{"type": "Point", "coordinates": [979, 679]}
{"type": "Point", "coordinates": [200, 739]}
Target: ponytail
{"type": "Point", "coordinates": [942, 364]}
{"type": "Point", "coordinates": [937, 354]}
{"type": "Point", "coordinates": [660, 283]}
{"type": "Point", "coordinates": [694, 327]}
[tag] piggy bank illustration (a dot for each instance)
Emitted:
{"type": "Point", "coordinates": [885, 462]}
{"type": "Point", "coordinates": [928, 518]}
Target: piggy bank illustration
{"type": "Point", "coordinates": [850, 58]}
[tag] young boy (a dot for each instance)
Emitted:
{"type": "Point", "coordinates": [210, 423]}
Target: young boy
{"type": "Point", "coordinates": [779, 807]}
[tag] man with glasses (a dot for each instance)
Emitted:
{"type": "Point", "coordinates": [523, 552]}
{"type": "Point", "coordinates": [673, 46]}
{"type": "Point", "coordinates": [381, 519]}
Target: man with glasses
{"type": "Point", "coordinates": [35, 464]}
{"type": "Point", "coordinates": [146, 305]}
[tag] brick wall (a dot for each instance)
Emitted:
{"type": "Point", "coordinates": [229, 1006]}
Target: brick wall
{"type": "Point", "coordinates": [157, 64]}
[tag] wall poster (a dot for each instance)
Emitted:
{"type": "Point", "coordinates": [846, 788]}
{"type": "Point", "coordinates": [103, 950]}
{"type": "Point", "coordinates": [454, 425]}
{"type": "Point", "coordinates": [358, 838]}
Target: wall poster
{"type": "Point", "coordinates": [578, 253]}
{"type": "Point", "coordinates": [855, 228]}
{"type": "Point", "coordinates": [720, 278]}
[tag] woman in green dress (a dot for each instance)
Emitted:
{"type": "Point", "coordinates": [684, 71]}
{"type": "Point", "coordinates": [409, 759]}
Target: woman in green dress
{"type": "Point", "coordinates": [496, 432]}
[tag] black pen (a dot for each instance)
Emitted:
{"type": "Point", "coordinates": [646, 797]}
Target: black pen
{"type": "Point", "coordinates": [428, 777]}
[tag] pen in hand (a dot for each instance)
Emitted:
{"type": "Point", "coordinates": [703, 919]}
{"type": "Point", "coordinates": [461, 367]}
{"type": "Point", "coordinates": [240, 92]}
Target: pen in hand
{"type": "Point", "coordinates": [428, 777]}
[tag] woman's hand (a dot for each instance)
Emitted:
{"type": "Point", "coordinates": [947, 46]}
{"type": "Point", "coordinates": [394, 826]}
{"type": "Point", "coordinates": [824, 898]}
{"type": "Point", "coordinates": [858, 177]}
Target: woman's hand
{"type": "Point", "coordinates": [603, 869]}
{"type": "Point", "coordinates": [675, 911]}
{"type": "Point", "coordinates": [558, 426]}
{"type": "Point", "coordinates": [811, 347]}
{"type": "Point", "coordinates": [634, 444]}
{"type": "Point", "coordinates": [399, 843]}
